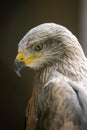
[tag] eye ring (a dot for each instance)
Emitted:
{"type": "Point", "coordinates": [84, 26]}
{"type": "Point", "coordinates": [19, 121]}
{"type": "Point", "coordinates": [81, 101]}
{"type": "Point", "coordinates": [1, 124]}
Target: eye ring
{"type": "Point", "coordinates": [38, 47]}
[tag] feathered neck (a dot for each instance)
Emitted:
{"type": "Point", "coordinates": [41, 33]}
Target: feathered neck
{"type": "Point", "coordinates": [75, 69]}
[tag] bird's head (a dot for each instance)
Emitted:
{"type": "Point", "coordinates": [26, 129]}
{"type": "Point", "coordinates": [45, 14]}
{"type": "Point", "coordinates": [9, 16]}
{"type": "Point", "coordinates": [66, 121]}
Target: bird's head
{"type": "Point", "coordinates": [43, 46]}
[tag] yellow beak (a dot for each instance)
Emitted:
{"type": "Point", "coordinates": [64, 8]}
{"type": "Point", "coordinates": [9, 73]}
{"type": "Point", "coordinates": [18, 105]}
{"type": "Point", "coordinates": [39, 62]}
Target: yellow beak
{"type": "Point", "coordinates": [27, 61]}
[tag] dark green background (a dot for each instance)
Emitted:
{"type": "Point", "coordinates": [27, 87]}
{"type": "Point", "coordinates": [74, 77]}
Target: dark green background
{"type": "Point", "coordinates": [16, 18]}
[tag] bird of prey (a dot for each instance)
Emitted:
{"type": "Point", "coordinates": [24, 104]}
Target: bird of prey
{"type": "Point", "coordinates": [59, 97]}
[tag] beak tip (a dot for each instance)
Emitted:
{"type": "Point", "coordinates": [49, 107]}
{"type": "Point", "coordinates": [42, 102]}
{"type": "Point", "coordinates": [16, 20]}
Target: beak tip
{"type": "Point", "coordinates": [18, 73]}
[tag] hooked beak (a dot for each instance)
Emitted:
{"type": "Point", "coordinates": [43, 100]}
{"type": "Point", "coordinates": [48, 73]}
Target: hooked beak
{"type": "Point", "coordinates": [19, 64]}
{"type": "Point", "coordinates": [21, 61]}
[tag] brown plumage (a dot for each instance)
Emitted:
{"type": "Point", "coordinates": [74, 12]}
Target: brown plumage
{"type": "Point", "coordinates": [59, 97]}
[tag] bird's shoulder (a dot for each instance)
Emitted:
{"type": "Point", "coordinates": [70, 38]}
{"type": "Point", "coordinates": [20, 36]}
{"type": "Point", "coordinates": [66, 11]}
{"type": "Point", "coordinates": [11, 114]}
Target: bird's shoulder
{"type": "Point", "coordinates": [59, 104]}
{"type": "Point", "coordinates": [59, 92]}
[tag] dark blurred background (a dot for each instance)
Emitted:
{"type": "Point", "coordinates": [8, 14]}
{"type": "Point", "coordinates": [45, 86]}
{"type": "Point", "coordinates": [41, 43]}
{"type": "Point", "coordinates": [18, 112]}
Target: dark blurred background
{"type": "Point", "coordinates": [16, 18]}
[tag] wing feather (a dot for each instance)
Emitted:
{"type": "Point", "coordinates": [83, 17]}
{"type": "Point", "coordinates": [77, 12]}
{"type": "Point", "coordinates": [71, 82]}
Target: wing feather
{"type": "Point", "coordinates": [61, 107]}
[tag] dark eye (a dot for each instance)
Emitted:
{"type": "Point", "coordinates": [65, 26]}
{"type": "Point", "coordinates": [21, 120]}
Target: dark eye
{"type": "Point", "coordinates": [38, 47]}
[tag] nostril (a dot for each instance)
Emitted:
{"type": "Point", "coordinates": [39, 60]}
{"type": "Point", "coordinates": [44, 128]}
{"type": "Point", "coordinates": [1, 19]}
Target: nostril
{"type": "Point", "coordinates": [21, 58]}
